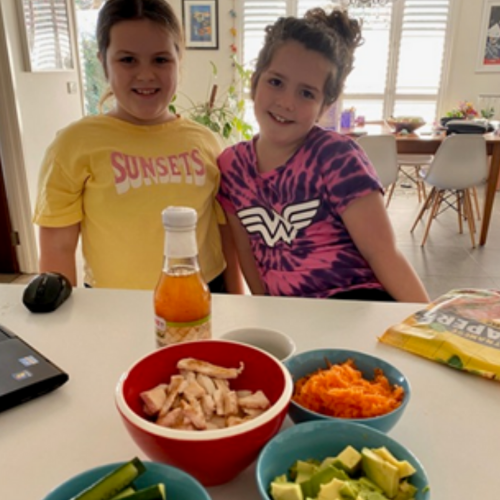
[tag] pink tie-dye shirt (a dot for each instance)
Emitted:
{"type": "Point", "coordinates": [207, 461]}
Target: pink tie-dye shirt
{"type": "Point", "coordinates": [292, 214]}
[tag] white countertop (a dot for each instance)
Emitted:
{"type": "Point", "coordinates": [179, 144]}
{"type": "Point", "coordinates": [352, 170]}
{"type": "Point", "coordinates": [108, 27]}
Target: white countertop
{"type": "Point", "coordinates": [451, 424]}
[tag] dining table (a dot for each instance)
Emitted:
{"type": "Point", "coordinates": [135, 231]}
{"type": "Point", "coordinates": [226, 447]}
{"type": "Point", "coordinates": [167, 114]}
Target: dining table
{"type": "Point", "coordinates": [426, 141]}
{"type": "Point", "coordinates": [450, 424]}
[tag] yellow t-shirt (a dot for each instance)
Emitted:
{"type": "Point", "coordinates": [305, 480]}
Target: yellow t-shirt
{"type": "Point", "coordinates": [115, 178]}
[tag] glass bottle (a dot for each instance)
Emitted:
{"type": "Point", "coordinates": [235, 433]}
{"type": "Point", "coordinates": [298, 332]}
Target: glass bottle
{"type": "Point", "coordinates": [182, 299]}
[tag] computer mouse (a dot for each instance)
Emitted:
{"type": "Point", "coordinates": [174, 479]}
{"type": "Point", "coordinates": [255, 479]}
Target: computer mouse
{"type": "Point", "coordinates": [46, 292]}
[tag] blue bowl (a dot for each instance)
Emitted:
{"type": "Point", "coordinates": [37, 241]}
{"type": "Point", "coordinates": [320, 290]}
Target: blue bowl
{"type": "Point", "coordinates": [178, 484]}
{"type": "Point", "coordinates": [322, 438]}
{"type": "Point", "coordinates": [304, 363]}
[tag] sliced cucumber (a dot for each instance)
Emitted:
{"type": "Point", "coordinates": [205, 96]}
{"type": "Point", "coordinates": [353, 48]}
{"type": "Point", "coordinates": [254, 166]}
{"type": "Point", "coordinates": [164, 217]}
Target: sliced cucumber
{"type": "Point", "coordinates": [114, 482]}
{"type": "Point", "coordinates": [155, 492]}
{"type": "Point", "coordinates": [130, 490]}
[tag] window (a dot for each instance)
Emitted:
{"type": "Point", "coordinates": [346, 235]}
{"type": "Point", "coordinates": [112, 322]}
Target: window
{"type": "Point", "coordinates": [94, 83]}
{"type": "Point", "coordinates": [46, 29]}
{"type": "Point", "coordinates": [398, 68]}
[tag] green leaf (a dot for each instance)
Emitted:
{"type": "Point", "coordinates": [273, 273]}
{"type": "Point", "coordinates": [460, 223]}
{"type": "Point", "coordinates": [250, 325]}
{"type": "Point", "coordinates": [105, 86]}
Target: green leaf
{"type": "Point", "coordinates": [214, 68]}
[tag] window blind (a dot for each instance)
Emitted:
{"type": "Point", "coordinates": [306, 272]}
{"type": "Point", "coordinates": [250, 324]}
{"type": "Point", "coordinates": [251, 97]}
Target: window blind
{"type": "Point", "coordinates": [421, 47]}
{"type": "Point", "coordinates": [48, 34]}
{"type": "Point", "coordinates": [257, 14]}
{"type": "Point", "coordinates": [397, 69]}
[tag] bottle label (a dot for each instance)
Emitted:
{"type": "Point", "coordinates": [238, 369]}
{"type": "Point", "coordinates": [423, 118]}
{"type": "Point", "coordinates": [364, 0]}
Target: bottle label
{"type": "Point", "coordinates": [168, 332]}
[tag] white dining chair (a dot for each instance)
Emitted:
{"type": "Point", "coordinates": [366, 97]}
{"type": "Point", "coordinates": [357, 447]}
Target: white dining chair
{"type": "Point", "coordinates": [382, 152]}
{"type": "Point", "coordinates": [459, 165]}
{"type": "Point", "coordinates": [410, 166]}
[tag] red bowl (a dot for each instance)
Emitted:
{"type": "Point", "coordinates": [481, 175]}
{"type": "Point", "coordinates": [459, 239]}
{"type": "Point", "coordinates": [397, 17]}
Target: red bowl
{"type": "Point", "coordinates": [212, 456]}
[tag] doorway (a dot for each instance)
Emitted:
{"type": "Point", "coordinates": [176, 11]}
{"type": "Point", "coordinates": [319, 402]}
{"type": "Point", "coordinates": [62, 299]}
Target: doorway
{"type": "Point", "coordinates": [8, 256]}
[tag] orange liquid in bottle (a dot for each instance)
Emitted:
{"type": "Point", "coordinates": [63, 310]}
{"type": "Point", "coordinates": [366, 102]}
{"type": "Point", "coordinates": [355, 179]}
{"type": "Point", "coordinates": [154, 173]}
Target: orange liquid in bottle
{"type": "Point", "coordinates": [182, 307]}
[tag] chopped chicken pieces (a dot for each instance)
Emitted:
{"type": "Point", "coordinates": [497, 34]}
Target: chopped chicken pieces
{"type": "Point", "coordinates": [200, 398]}
{"type": "Point", "coordinates": [230, 403]}
{"type": "Point", "coordinates": [208, 368]}
{"type": "Point", "coordinates": [154, 399]}
{"type": "Point", "coordinates": [194, 389]}
{"type": "Point", "coordinates": [206, 382]}
{"type": "Point", "coordinates": [176, 386]}
{"type": "Point", "coordinates": [256, 400]}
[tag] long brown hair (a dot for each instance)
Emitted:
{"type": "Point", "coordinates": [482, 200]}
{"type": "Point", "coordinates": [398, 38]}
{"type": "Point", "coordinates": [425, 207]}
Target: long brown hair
{"type": "Point", "coordinates": [334, 35]}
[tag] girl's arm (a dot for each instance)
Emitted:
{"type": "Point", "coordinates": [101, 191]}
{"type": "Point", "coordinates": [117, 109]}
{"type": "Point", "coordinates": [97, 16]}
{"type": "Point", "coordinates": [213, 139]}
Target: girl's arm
{"type": "Point", "coordinates": [232, 274]}
{"type": "Point", "coordinates": [57, 250]}
{"type": "Point", "coordinates": [245, 255]}
{"type": "Point", "coordinates": [368, 224]}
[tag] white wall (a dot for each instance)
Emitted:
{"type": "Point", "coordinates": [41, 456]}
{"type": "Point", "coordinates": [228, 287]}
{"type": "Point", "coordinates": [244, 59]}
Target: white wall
{"type": "Point", "coordinates": [464, 83]}
{"type": "Point", "coordinates": [196, 78]}
{"type": "Point", "coordinates": [45, 105]}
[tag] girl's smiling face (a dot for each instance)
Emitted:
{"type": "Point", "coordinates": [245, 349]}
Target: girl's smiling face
{"type": "Point", "coordinates": [289, 96]}
{"type": "Point", "coordinates": [142, 68]}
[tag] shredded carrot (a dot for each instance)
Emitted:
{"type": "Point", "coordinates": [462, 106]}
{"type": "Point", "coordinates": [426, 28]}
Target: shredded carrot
{"type": "Point", "coordinates": [341, 391]}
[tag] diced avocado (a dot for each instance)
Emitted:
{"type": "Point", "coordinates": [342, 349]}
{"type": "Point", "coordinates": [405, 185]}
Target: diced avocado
{"type": "Point", "coordinates": [281, 479]}
{"type": "Point", "coordinates": [114, 482]}
{"type": "Point", "coordinates": [366, 484]}
{"type": "Point", "coordinates": [381, 472]}
{"type": "Point", "coordinates": [406, 491]}
{"type": "Point", "coordinates": [405, 467]}
{"type": "Point", "coordinates": [293, 468]}
{"type": "Point", "coordinates": [349, 490]}
{"type": "Point", "coordinates": [331, 490]}
{"type": "Point", "coordinates": [310, 488]}
{"type": "Point", "coordinates": [305, 470]}
{"type": "Point", "coordinates": [327, 461]}
{"type": "Point", "coordinates": [286, 491]}
{"type": "Point", "coordinates": [372, 495]}
{"type": "Point", "coordinates": [348, 459]}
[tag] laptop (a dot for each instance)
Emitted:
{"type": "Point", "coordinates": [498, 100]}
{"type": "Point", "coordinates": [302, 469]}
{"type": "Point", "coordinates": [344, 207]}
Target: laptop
{"type": "Point", "coordinates": [25, 374]}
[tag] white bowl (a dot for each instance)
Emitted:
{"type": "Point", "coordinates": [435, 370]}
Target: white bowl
{"type": "Point", "coordinates": [273, 342]}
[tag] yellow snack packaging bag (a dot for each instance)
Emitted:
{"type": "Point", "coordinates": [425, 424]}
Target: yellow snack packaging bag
{"type": "Point", "coordinates": [460, 329]}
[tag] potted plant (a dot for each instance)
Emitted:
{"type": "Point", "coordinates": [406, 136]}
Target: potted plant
{"type": "Point", "coordinates": [465, 111]}
{"type": "Point", "coordinates": [222, 111]}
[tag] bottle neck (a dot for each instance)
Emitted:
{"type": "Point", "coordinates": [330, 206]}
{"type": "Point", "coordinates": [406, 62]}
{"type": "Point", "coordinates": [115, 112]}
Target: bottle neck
{"type": "Point", "coordinates": [181, 250]}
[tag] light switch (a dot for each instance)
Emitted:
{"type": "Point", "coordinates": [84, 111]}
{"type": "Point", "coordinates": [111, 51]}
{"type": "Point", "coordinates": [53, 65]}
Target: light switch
{"type": "Point", "coordinates": [72, 88]}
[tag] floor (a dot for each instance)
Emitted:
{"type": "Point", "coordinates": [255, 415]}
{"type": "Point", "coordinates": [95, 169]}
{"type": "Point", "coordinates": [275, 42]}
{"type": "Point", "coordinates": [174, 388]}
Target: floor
{"type": "Point", "coordinates": [447, 260]}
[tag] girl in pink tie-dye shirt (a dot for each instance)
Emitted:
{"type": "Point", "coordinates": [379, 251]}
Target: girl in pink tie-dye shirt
{"type": "Point", "coordinates": [304, 204]}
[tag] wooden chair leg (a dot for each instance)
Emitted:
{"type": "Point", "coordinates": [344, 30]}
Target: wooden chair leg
{"type": "Point", "coordinates": [433, 211]}
{"type": "Point", "coordinates": [476, 202]}
{"type": "Point", "coordinates": [421, 191]}
{"type": "Point", "coordinates": [460, 212]}
{"type": "Point", "coordinates": [470, 217]}
{"type": "Point", "coordinates": [425, 206]}
{"type": "Point", "coordinates": [473, 220]}
{"type": "Point", "coordinates": [390, 192]}
{"type": "Point", "coordinates": [417, 184]}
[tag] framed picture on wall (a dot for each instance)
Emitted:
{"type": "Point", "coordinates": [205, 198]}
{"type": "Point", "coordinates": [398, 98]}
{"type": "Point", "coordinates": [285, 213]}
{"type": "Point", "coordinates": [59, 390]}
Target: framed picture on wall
{"type": "Point", "coordinates": [201, 26]}
{"type": "Point", "coordinates": [46, 37]}
{"type": "Point", "coordinates": [489, 38]}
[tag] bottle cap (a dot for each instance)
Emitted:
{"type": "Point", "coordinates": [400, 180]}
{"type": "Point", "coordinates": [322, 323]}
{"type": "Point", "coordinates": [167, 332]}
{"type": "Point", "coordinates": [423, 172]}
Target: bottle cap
{"type": "Point", "coordinates": [182, 218]}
